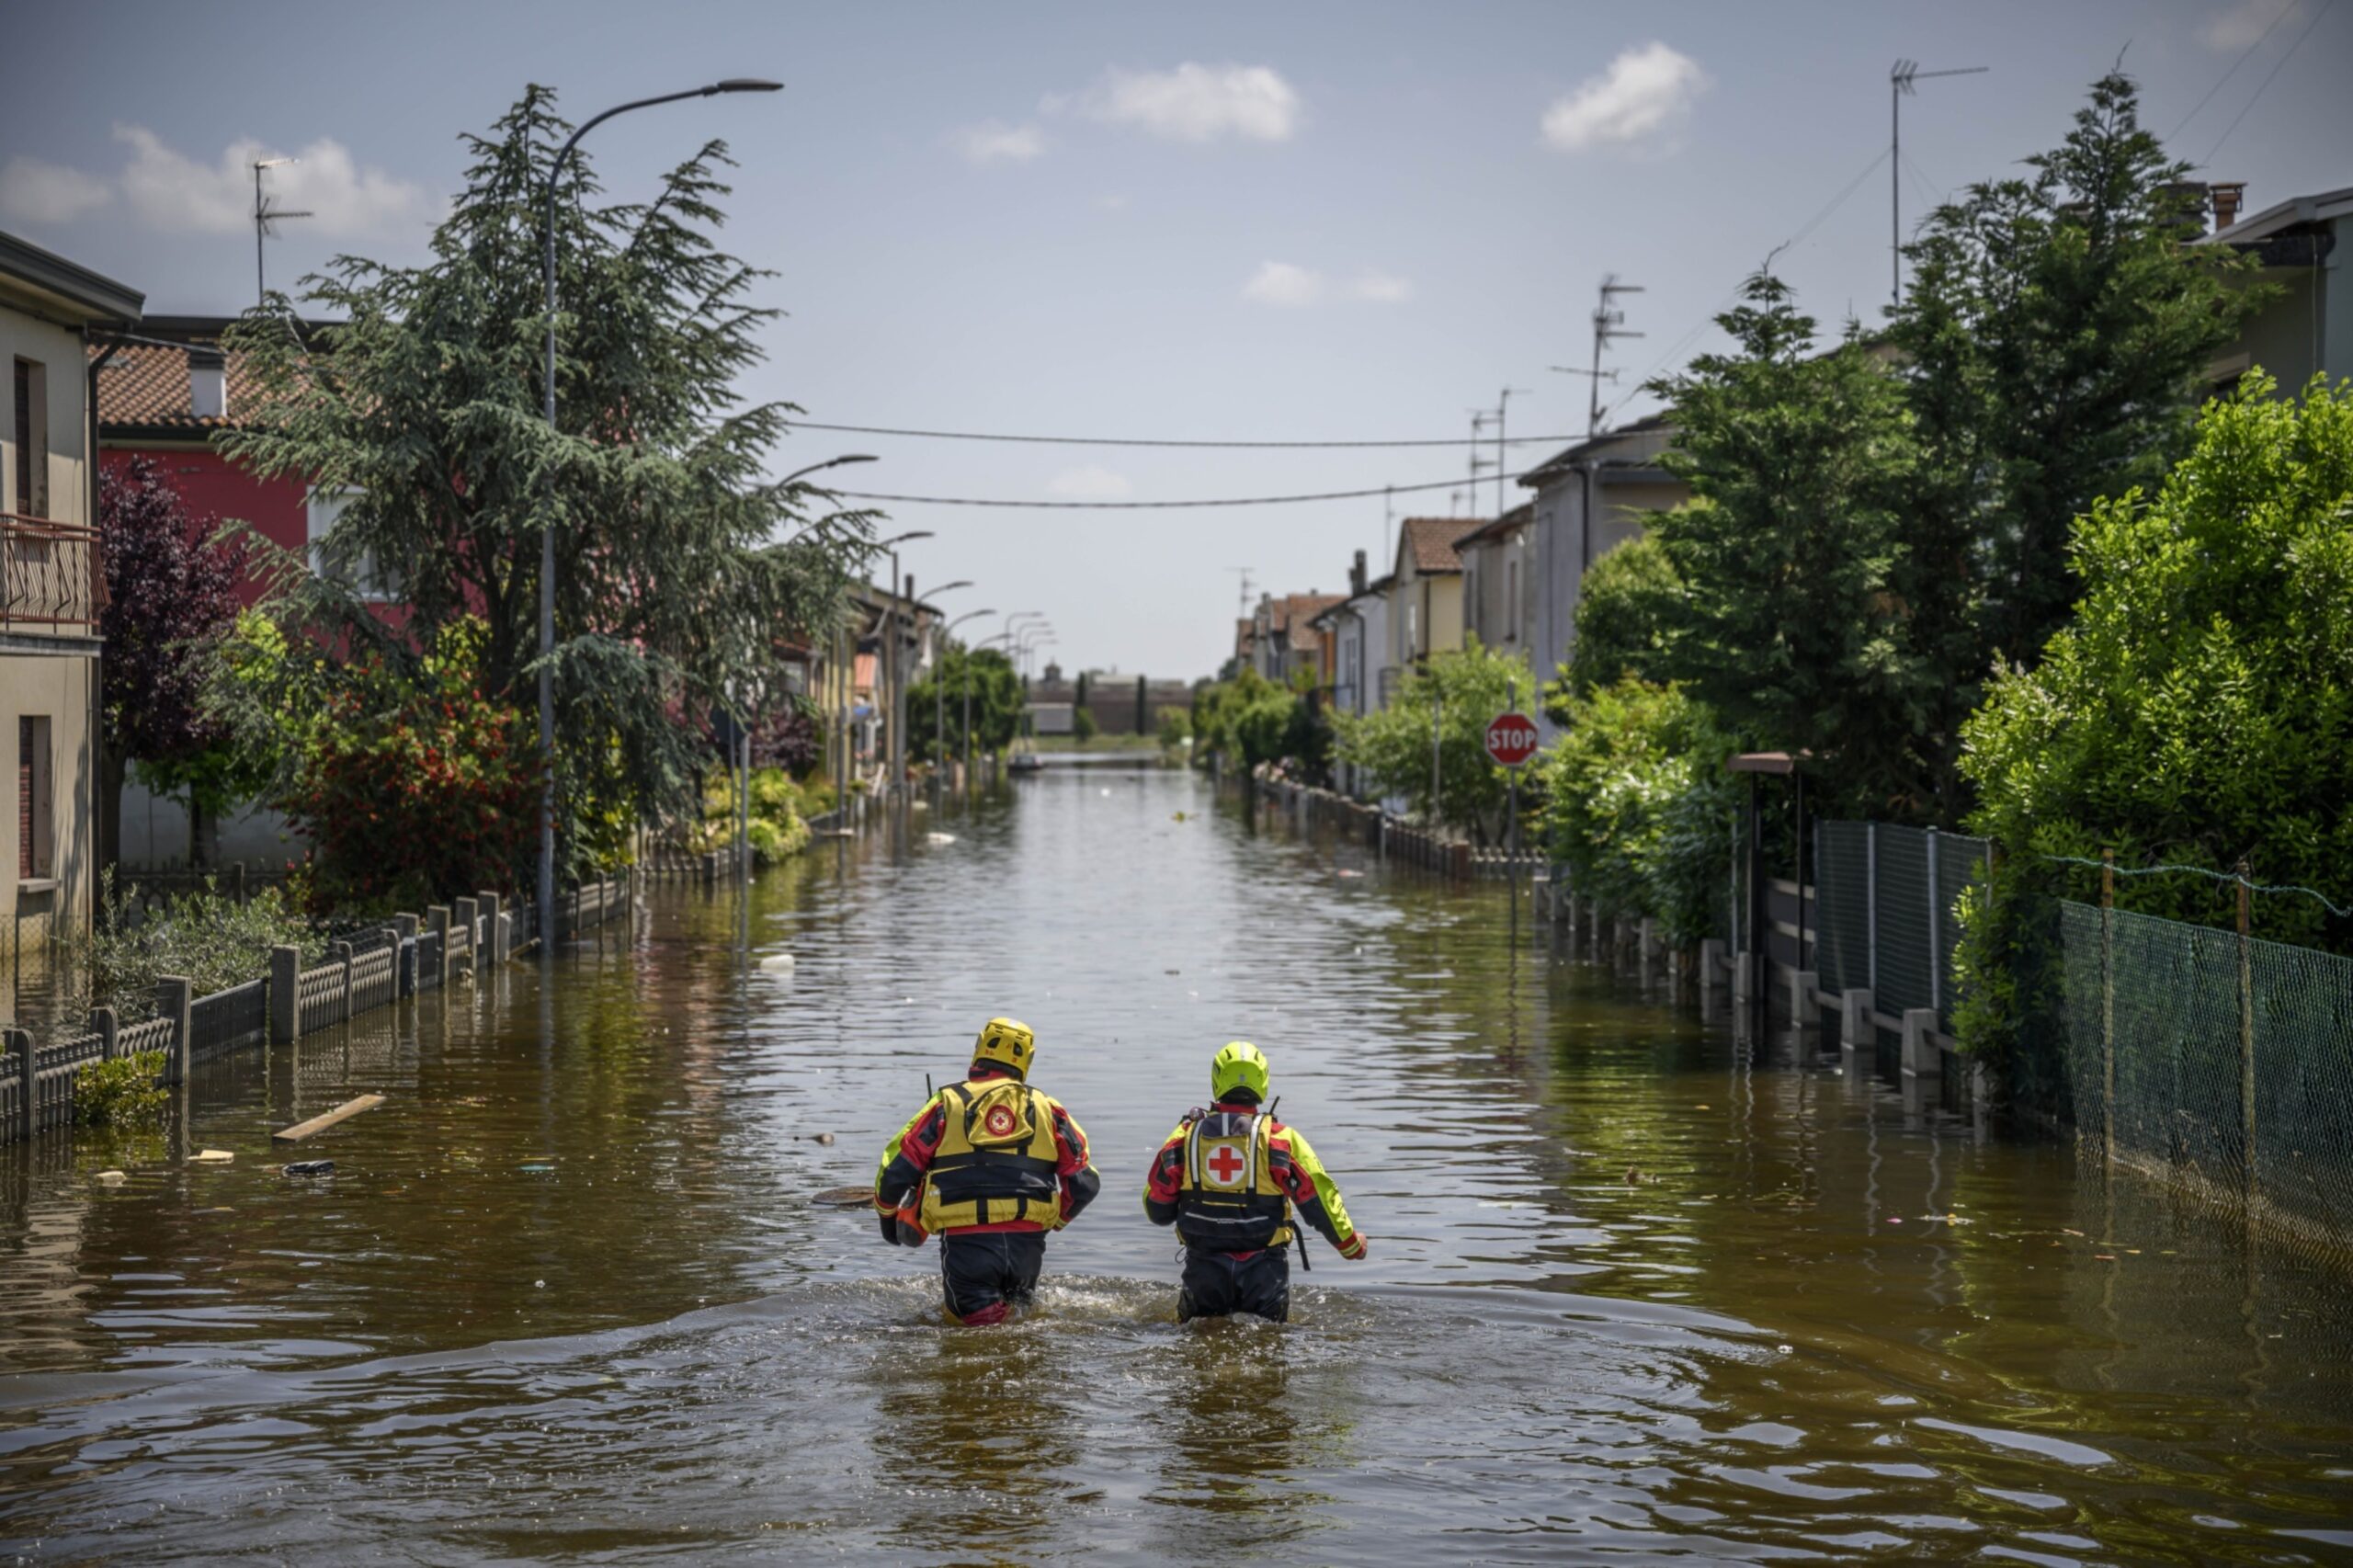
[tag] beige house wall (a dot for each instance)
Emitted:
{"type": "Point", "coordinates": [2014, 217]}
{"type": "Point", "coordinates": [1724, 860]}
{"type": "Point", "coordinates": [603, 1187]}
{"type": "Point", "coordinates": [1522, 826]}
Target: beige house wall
{"type": "Point", "coordinates": [34, 910]}
{"type": "Point", "coordinates": [58, 351]}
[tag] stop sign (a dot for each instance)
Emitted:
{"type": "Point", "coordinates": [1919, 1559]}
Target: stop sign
{"type": "Point", "coordinates": [1511, 740]}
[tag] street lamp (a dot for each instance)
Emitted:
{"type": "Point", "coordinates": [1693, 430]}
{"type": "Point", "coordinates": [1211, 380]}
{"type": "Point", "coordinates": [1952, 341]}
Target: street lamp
{"type": "Point", "coordinates": [939, 701]}
{"type": "Point", "coordinates": [547, 533]}
{"type": "Point", "coordinates": [891, 752]}
{"type": "Point", "coordinates": [1003, 633]}
{"type": "Point", "coordinates": [943, 588]}
{"type": "Point", "coordinates": [829, 462]}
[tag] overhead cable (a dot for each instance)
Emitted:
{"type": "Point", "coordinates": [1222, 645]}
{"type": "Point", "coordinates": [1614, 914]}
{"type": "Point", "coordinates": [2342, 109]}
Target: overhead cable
{"type": "Point", "coordinates": [1141, 441]}
{"type": "Point", "coordinates": [1454, 483]}
{"type": "Point", "coordinates": [2276, 66]}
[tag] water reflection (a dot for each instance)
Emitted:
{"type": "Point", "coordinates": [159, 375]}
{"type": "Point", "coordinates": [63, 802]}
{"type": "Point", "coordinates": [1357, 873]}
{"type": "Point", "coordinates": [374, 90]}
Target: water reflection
{"type": "Point", "coordinates": [1637, 1286]}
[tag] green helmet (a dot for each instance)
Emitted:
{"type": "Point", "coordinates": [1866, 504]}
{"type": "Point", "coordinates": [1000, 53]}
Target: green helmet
{"type": "Point", "coordinates": [1240, 1066]}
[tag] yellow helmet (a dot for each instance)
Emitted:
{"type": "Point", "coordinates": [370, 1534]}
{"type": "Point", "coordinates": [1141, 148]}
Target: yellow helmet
{"type": "Point", "coordinates": [1008, 1042]}
{"type": "Point", "coordinates": [1239, 1065]}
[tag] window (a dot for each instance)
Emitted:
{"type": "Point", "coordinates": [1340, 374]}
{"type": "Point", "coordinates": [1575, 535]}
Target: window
{"type": "Point", "coordinates": [324, 509]}
{"type": "Point", "coordinates": [31, 437]}
{"type": "Point", "coordinates": [36, 836]}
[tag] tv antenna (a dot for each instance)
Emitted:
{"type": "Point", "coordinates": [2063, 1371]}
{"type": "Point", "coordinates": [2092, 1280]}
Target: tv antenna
{"type": "Point", "coordinates": [1244, 572]}
{"type": "Point", "coordinates": [1900, 77]}
{"type": "Point", "coordinates": [1608, 325]}
{"type": "Point", "coordinates": [264, 215]}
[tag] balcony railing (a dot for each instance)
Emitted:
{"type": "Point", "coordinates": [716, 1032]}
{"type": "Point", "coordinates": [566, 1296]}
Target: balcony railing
{"type": "Point", "coordinates": [48, 576]}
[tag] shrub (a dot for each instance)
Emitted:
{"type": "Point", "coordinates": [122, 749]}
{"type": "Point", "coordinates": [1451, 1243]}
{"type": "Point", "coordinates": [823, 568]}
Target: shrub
{"type": "Point", "coordinates": [2196, 708]}
{"type": "Point", "coordinates": [120, 1094]}
{"type": "Point", "coordinates": [1638, 805]}
{"type": "Point", "coordinates": [215, 942]}
{"type": "Point", "coordinates": [1082, 724]}
{"type": "Point", "coordinates": [1457, 695]}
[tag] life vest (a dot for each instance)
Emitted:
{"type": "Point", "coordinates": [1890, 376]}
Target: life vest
{"type": "Point", "coordinates": [996, 1158]}
{"type": "Point", "coordinates": [1229, 1200]}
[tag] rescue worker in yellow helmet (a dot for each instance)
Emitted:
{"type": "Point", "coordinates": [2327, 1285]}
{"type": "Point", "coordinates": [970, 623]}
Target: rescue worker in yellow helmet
{"type": "Point", "coordinates": [1228, 1179]}
{"type": "Point", "coordinates": [991, 1166]}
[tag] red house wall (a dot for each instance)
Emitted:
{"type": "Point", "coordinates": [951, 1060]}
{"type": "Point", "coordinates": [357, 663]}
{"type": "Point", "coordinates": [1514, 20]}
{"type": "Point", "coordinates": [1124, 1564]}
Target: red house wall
{"type": "Point", "coordinates": [213, 489]}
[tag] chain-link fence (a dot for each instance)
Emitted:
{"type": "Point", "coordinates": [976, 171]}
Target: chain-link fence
{"type": "Point", "coordinates": [2219, 1062]}
{"type": "Point", "coordinates": [1887, 900]}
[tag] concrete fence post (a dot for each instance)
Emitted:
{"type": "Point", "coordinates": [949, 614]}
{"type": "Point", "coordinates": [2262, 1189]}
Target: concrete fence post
{"type": "Point", "coordinates": [1646, 933]}
{"type": "Point", "coordinates": [173, 993]}
{"type": "Point", "coordinates": [285, 995]}
{"type": "Point", "coordinates": [1920, 1054]}
{"type": "Point", "coordinates": [464, 919]}
{"type": "Point", "coordinates": [491, 909]}
{"type": "Point", "coordinates": [1744, 977]}
{"type": "Point", "coordinates": [1711, 962]}
{"type": "Point", "coordinates": [1856, 1030]}
{"type": "Point", "coordinates": [110, 1033]}
{"type": "Point", "coordinates": [340, 953]}
{"type": "Point", "coordinates": [1803, 1008]}
{"type": "Point", "coordinates": [437, 923]}
{"type": "Point", "coordinates": [21, 1046]}
{"type": "Point", "coordinates": [404, 955]}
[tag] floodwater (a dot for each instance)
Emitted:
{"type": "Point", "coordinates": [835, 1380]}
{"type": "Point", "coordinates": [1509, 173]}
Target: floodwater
{"type": "Point", "coordinates": [1636, 1290]}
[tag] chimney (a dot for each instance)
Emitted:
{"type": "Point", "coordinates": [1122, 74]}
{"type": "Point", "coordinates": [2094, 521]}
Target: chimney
{"type": "Point", "coordinates": [208, 382]}
{"type": "Point", "coordinates": [1355, 576]}
{"type": "Point", "coordinates": [2228, 195]}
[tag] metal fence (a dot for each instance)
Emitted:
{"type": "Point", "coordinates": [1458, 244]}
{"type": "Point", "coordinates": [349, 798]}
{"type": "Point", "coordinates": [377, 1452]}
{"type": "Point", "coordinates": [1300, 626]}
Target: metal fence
{"type": "Point", "coordinates": [2215, 1061]}
{"type": "Point", "coordinates": [366, 970]}
{"type": "Point", "coordinates": [1887, 900]}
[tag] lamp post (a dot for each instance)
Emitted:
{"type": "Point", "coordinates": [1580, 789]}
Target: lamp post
{"type": "Point", "coordinates": [939, 701]}
{"type": "Point", "coordinates": [838, 749]}
{"type": "Point", "coordinates": [547, 533]}
{"type": "Point", "coordinates": [1002, 634]}
{"type": "Point", "coordinates": [891, 659]}
{"type": "Point", "coordinates": [943, 588]}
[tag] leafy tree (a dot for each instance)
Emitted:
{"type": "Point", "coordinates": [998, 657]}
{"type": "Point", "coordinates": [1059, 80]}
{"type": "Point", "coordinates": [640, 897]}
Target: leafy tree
{"type": "Point", "coordinates": [424, 408]}
{"type": "Point", "coordinates": [171, 595]}
{"type": "Point", "coordinates": [2056, 335]}
{"type": "Point", "coordinates": [1638, 805]}
{"type": "Point", "coordinates": [1454, 696]}
{"type": "Point", "coordinates": [2197, 708]}
{"type": "Point", "coordinates": [1082, 724]}
{"type": "Point", "coordinates": [1244, 720]}
{"type": "Point", "coordinates": [1176, 729]}
{"type": "Point", "coordinates": [997, 702]}
{"type": "Point", "coordinates": [1790, 627]}
{"type": "Point", "coordinates": [1626, 613]}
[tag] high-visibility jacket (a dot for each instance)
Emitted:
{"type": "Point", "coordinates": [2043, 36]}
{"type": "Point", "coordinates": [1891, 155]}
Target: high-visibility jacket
{"type": "Point", "coordinates": [1229, 1178]}
{"type": "Point", "coordinates": [990, 1154]}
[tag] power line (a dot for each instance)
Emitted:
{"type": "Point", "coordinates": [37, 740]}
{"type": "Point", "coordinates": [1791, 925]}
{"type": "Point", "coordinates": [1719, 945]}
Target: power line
{"type": "Point", "coordinates": [1143, 441]}
{"type": "Point", "coordinates": [1149, 506]}
{"type": "Point", "coordinates": [2224, 80]}
{"type": "Point", "coordinates": [2277, 65]}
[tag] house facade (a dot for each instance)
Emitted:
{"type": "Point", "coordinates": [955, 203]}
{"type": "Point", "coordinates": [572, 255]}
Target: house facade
{"type": "Point", "coordinates": [1588, 500]}
{"type": "Point", "coordinates": [1498, 589]}
{"type": "Point", "coordinates": [51, 311]}
{"type": "Point", "coordinates": [1426, 590]}
{"type": "Point", "coordinates": [2304, 246]}
{"type": "Point", "coordinates": [1359, 628]}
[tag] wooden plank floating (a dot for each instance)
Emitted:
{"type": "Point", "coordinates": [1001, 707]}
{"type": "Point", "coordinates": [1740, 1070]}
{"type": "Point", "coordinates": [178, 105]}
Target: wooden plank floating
{"type": "Point", "coordinates": [320, 1123]}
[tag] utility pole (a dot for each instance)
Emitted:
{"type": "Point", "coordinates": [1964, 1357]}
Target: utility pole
{"type": "Point", "coordinates": [264, 216]}
{"type": "Point", "coordinates": [1608, 325]}
{"type": "Point", "coordinates": [1478, 417]}
{"type": "Point", "coordinates": [1900, 77]}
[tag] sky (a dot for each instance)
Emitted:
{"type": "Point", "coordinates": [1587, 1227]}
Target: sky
{"type": "Point", "coordinates": [1313, 221]}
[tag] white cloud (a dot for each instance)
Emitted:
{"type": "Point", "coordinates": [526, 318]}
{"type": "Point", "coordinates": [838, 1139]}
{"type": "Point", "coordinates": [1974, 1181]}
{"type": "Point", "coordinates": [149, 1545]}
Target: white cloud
{"type": "Point", "coordinates": [2242, 23]}
{"type": "Point", "coordinates": [1281, 283]}
{"type": "Point", "coordinates": [1644, 91]}
{"type": "Point", "coordinates": [1089, 483]}
{"type": "Point", "coordinates": [33, 191]}
{"type": "Point", "coordinates": [1192, 103]}
{"type": "Point", "coordinates": [992, 141]}
{"type": "Point", "coordinates": [172, 192]}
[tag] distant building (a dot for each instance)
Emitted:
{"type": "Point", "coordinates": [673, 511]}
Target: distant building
{"type": "Point", "coordinates": [1498, 589]}
{"type": "Point", "coordinates": [1426, 590]}
{"type": "Point", "coordinates": [1122, 704]}
{"type": "Point", "coordinates": [1358, 628]}
{"type": "Point", "coordinates": [50, 310]}
{"type": "Point", "coordinates": [1285, 641]}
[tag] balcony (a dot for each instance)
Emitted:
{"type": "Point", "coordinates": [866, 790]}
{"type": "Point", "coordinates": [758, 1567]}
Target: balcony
{"type": "Point", "coordinates": [49, 577]}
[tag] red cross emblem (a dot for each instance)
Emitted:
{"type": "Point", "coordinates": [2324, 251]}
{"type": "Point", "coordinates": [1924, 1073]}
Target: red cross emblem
{"type": "Point", "coordinates": [998, 1121]}
{"type": "Point", "coordinates": [1225, 1165]}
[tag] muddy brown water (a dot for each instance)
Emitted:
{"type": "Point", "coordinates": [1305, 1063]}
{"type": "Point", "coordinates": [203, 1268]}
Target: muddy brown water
{"type": "Point", "coordinates": [568, 1295]}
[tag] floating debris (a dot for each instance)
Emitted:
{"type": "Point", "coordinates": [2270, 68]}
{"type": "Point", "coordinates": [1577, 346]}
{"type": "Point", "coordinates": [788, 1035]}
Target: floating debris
{"type": "Point", "coordinates": [775, 963]}
{"type": "Point", "coordinates": [535, 1169]}
{"type": "Point", "coordinates": [307, 1168]}
{"type": "Point", "coordinates": [825, 1138]}
{"type": "Point", "coordinates": [211, 1157]}
{"type": "Point", "coordinates": [110, 1178]}
{"type": "Point", "coordinates": [939, 838]}
{"type": "Point", "coordinates": [844, 1198]}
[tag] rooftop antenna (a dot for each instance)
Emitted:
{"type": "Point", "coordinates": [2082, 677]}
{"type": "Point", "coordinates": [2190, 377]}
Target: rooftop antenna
{"type": "Point", "coordinates": [1503, 407]}
{"type": "Point", "coordinates": [1608, 325]}
{"type": "Point", "coordinates": [1900, 77]}
{"type": "Point", "coordinates": [1387, 523]}
{"type": "Point", "coordinates": [264, 216]}
{"type": "Point", "coordinates": [1478, 417]}
{"type": "Point", "coordinates": [1245, 573]}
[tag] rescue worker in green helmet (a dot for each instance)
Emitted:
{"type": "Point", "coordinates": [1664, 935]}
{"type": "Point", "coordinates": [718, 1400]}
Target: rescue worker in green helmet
{"type": "Point", "coordinates": [1228, 1178]}
{"type": "Point", "coordinates": [991, 1166]}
